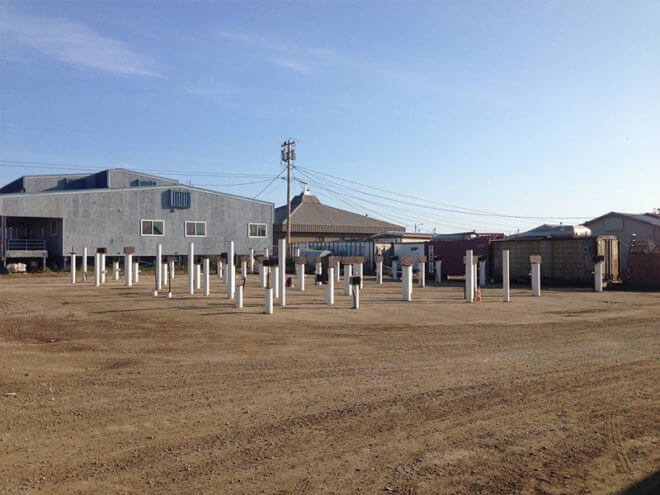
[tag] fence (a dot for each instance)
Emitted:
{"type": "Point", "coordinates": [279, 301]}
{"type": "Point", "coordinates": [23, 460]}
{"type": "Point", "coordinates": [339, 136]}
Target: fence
{"type": "Point", "coordinates": [26, 244]}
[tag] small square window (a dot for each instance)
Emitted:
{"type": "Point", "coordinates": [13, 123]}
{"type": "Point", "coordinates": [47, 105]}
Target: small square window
{"type": "Point", "coordinates": [195, 229]}
{"type": "Point", "coordinates": [152, 227]}
{"type": "Point", "coordinates": [257, 230]}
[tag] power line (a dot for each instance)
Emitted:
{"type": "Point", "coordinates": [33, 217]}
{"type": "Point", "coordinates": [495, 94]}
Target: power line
{"type": "Point", "coordinates": [454, 208]}
{"type": "Point", "coordinates": [267, 185]}
{"type": "Point", "coordinates": [417, 213]}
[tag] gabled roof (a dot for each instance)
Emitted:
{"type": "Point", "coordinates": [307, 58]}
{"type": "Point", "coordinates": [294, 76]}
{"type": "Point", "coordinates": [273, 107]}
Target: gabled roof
{"type": "Point", "coordinates": [652, 218]}
{"type": "Point", "coordinates": [308, 214]}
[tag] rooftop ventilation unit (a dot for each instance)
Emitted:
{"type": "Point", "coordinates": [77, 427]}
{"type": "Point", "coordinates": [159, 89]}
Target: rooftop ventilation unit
{"type": "Point", "coordinates": [179, 199]}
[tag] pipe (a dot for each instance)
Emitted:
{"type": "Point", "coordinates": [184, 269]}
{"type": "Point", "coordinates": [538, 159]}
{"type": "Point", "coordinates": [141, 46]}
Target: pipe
{"type": "Point", "coordinates": [598, 277]}
{"type": "Point", "coordinates": [330, 287]}
{"type": "Point", "coordinates": [406, 288]}
{"type": "Point", "coordinates": [536, 279]}
{"type": "Point", "coordinates": [159, 267]}
{"type": "Point", "coordinates": [282, 259]}
{"type": "Point", "coordinates": [207, 276]}
{"type": "Point", "coordinates": [239, 296]}
{"type": "Point", "coordinates": [506, 293]}
{"type": "Point", "coordinates": [268, 309]}
{"type": "Point", "coordinates": [128, 268]}
{"type": "Point", "coordinates": [469, 274]}
{"type": "Point", "coordinates": [348, 272]}
{"type": "Point", "coordinates": [84, 264]}
{"type": "Point", "coordinates": [379, 273]}
{"type": "Point", "coordinates": [97, 269]}
{"type": "Point", "coordinates": [191, 268]}
{"type": "Point", "coordinates": [73, 267]}
{"type": "Point", "coordinates": [231, 273]}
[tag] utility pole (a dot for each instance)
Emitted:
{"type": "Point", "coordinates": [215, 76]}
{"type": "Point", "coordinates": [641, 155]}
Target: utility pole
{"type": "Point", "coordinates": [288, 156]}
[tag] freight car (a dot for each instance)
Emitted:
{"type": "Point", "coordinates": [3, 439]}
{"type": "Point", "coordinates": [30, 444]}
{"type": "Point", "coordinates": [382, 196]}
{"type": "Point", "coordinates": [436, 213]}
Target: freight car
{"type": "Point", "coordinates": [565, 261]}
{"type": "Point", "coordinates": [451, 248]}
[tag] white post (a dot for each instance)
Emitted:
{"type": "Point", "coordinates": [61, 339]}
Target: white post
{"type": "Point", "coordinates": [395, 270]}
{"type": "Point", "coordinates": [97, 269]}
{"type": "Point", "coordinates": [198, 276]}
{"type": "Point", "coordinates": [361, 268]}
{"type": "Point", "coordinates": [438, 272]}
{"type": "Point", "coordinates": [268, 309]}
{"type": "Point", "coordinates": [536, 279]}
{"type": "Point", "coordinates": [297, 252]}
{"type": "Point", "coordinates": [338, 271]}
{"type": "Point", "coordinates": [207, 276]}
{"type": "Point", "coordinates": [267, 253]}
{"type": "Point", "coordinates": [128, 269]}
{"type": "Point", "coordinates": [115, 270]}
{"type": "Point", "coordinates": [102, 268]}
{"type": "Point", "coordinates": [482, 273]}
{"type": "Point", "coordinates": [84, 264]}
{"type": "Point", "coordinates": [221, 270]}
{"type": "Point", "coordinates": [136, 271]}
{"type": "Point", "coordinates": [244, 269]}
{"type": "Point", "coordinates": [469, 277]}
{"type": "Point", "coordinates": [406, 275]}
{"type": "Point", "coordinates": [356, 296]}
{"type": "Point", "coordinates": [170, 278]}
{"type": "Point", "coordinates": [474, 276]}
{"type": "Point", "coordinates": [379, 272]}
{"type": "Point", "coordinates": [164, 275]}
{"type": "Point", "coordinates": [282, 259]}
{"type": "Point", "coordinates": [263, 273]}
{"type": "Point", "coordinates": [348, 272]}
{"type": "Point", "coordinates": [231, 274]}
{"type": "Point", "coordinates": [191, 268]}
{"type": "Point", "coordinates": [73, 267]}
{"type": "Point", "coordinates": [330, 287]}
{"type": "Point", "coordinates": [239, 296]}
{"type": "Point", "coordinates": [505, 276]}
{"type": "Point", "coordinates": [275, 281]}
{"type": "Point", "coordinates": [251, 260]}
{"type": "Point", "coordinates": [421, 274]}
{"type": "Point", "coordinates": [598, 277]}
{"type": "Point", "coordinates": [300, 269]}
{"type": "Point", "coordinates": [318, 269]}
{"type": "Point", "coordinates": [159, 267]}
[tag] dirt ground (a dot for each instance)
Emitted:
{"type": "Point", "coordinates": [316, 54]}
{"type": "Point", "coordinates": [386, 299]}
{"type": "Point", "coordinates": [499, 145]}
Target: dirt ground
{"type": "Point", "coordinates": [111, 390]}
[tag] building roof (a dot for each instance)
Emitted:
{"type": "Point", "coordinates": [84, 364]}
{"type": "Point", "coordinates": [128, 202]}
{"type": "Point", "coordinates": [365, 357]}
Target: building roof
{"type": "Point", "coordinates": [652, 218]}
{"type": "Point", "coordinates": [403, 235]}
{"type": "Point", "coordinates": [309, 215]}
{"type": "Point", "coordinates": [165, 183]}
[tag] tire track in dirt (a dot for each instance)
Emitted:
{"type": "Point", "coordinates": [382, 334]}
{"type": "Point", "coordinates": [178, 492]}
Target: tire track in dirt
{"type": "Point", "coordinates": [615, 440]}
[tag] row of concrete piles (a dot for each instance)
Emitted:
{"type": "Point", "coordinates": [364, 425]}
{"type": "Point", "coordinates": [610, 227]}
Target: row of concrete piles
{"type": "Point", "coordinates": [273, 279]}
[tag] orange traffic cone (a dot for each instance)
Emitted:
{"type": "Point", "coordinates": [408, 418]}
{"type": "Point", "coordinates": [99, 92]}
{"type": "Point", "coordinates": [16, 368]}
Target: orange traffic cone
{"type": "Point", "coordinates": [478, 294]}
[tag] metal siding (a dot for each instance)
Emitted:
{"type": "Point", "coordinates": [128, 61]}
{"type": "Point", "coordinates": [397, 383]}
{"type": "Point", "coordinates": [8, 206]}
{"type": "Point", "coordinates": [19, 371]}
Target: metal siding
{"type": "Point", "coordinates": [111, 218]}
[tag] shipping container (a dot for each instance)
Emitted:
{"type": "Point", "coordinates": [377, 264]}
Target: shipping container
{"type": "Point", "coordinates": [644, 266]}
{"type": "Point", "coordinates": [452, 251]}
{"type": "Point", "coordinates": [564, 261]}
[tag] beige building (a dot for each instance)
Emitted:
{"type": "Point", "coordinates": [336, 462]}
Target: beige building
{"type": "Point", "coordinates": [312, 221]}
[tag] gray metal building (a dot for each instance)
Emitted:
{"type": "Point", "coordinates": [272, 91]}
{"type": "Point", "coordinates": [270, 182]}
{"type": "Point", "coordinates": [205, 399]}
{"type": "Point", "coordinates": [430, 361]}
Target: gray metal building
{"type": "Point", "coordinates": [44, 216]}
{"type": "Point", "coordinates": [630, 229]}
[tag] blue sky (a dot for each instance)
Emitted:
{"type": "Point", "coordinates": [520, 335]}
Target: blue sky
{"type": "Point", "coordinates": [531, 109]}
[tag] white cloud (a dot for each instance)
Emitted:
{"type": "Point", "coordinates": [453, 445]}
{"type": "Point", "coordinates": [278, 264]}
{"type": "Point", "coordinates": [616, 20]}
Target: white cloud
{"type": "Point", "coordinates": [74, 43]}
{"type": "Point", "coordinates": [290, 64]}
